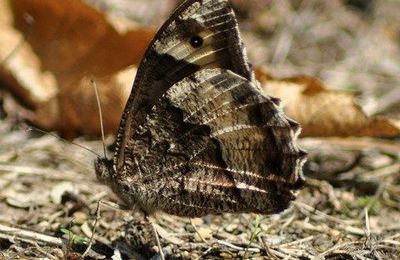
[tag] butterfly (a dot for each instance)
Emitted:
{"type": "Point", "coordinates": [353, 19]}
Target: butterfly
{"type": "Point", "coordinates": [197, 135]}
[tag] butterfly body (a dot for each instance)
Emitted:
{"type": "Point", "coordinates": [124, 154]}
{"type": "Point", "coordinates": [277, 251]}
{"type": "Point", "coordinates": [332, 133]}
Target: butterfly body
{"type": "Point", "coordinates": [197, 136]}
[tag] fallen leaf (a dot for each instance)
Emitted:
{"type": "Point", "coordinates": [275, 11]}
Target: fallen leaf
{"type": "Point", "coordinates": [20, 71]}
{"type": "Point", "coordinates": [58, 48]}
{"type": "Point", "coordinates": [75, 110]}
{"type": "Point", "coordinates": [324, 112]}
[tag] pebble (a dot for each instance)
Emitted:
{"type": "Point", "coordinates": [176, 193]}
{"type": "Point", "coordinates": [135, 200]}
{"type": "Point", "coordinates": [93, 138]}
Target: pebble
{"type": "Point", "coordinates": [226, 255]}
{"type": "Point", "coordinates": [231, 227]}
{"type": "Point", "coordinates": [59, 190]}
{"type": "Point", "coordinates": [205, 233]}
{"type": "Point", "coordinates": [79, 217]}
{"type": "Point", "coordinates": [197, 221]}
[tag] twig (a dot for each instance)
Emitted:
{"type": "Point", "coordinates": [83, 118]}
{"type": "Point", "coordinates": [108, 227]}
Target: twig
{"type": "Point", "coordinates": [238, 248]}
{"type": "Point", "coordinates": [12, 233]}
{"type": "Point", "coordinates": [47, 173]}
{"type": "Point", "coordinates": [47, 254]}
{"type": "Point", "coordinates": [282, 255]}
{"type": "Point", "coordinates": [204, 253]}
{"type": "Point", "coordinates": [306, 239]}
{"type": "Point", "coordinates": [317, 212]}
{"type": "Point", "coordinates": [157, 240]}
{"type": "Point", "coordinates": [197, 231]}
{"type": "Point", "coordinates": [94, 230]}
{"type": "Point", "coordinates": [268, 249]}
{"type": "Point", "coordinates": [367, 225]}
{"type": "Point", "coordinates": [323, 254]}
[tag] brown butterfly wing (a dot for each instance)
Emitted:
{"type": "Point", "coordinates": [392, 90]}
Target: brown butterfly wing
{"type": "Point", "coordinates": [212, 144]}
{"type": "Point", "coordinates": [176, 53]}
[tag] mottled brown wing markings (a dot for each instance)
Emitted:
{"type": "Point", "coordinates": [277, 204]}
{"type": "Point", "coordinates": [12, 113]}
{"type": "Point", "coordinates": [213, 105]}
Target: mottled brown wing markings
{"type": "Point", "coordinates": [161, 117]}
{"type": "Point", "coordinates": [252, 111]}
{"type": "Point", "coordinates": [216, 200]}
{"type": "Point", "coordinates": [243, 166]}
{"type": "Point", "coordinates": [170, 58]}
{"type": "Point", "coordinates": [197, 136]}
{"type": "Point", "coordinates": [241, 145]}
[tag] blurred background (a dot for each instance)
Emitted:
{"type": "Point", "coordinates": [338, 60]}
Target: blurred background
{"type": "Point", "coordinates": [50, 57]}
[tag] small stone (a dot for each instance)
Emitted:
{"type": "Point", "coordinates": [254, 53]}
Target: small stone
{"type": "Point", "coordinates": [204, 233]}
{"type": "Point", "coordinates": [226, 255]}
{"type": "Point", "coordinates": [231, 227]}
{"type": "Point", "coordinates": [334, 233]}
{"type": "Point", "coordinates": [43, 224]}
{"type": "Point", "coordinates": [75, 229]}
{"type": "Point", "coordinates": [55, 226]}
{"type": "Point", "coordinates": [79, 217]}
{"type": "Point", "coordinates": [197, 221]}
{"type": "Point", "coordinates": [59, 190]}
{"type": "Point", "coordinates": [58, 253]}
{"type": "Point", "coordinates": [185, 255]}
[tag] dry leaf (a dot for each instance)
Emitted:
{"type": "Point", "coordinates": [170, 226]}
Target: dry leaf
{"type": "Point", "coordinates": [324, 112]}
{"type": "Point", "coordinates": [20, 70]}
{"type": "Point", "coordinates": [66, 44]}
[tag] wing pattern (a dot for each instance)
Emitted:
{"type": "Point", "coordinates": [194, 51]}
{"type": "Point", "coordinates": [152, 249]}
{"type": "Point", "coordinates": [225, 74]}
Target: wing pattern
{"type": "Point", "coordinates": [171, 57]}
{"type": "Point", "coordinates": [212, 144]}
{"type": "Point", "coordinates": [197, 136]}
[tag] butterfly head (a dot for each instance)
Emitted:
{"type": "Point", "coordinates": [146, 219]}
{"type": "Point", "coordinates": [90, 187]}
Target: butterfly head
{"type": "Point", "coordinates": [104, 170]}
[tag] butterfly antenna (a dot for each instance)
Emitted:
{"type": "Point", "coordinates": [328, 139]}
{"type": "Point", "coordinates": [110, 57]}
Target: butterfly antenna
{"type": "Point", "coordinates": [32, 128]}
{"type": "Point", "coordinates": [100, 115]}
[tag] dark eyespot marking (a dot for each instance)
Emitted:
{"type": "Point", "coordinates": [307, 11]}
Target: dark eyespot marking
{"type": "Point", "coordinates": [196, 41]}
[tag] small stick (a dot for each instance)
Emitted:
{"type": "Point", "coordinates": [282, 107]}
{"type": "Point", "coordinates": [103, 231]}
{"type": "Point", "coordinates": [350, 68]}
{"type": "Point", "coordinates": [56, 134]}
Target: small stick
{"type": "Point", "coordinates": [156, 235]}
{"type": "Point", "coordinates": [367, 223]}
{"type": "Point", "coordinates": [238, 248]}
{"type": "Point", "coordinates": [27, 235]}
{"type": "Point", "coordinates": [268, 250]}
{"type": "Point", "coordinates": [197, 231]}
{"type": "Point", "coordinates": [94, 230]}
{"type": "Point", "coordinates": [157, 240]}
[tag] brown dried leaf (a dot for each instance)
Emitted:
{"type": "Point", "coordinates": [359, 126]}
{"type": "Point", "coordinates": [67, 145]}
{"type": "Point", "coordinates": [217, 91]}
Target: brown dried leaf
{"type": "Point", "coordinates": [66, 44]}
{"type": "Point", "coordinates": [20, 70]}
{"type": "Point", "coordinates": [75, 111]}
{"type": "Point", "coordinates": [324, 112]}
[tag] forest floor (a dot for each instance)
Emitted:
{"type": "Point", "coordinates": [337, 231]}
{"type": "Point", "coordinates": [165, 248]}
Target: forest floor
{"type": "Point", "coordinates": [349, 209]}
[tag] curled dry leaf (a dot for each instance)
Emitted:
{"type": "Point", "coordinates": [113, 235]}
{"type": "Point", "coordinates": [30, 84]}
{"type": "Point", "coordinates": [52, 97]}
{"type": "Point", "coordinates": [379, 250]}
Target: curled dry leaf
{"type": "Point", "coordinates": [323, 112]}
{"type": "Point", "coordinates": [20, 70]}
{"type": "Point", "coordinates": [75, 111]}
{"type": "Point", "coordinates": [61, 45]}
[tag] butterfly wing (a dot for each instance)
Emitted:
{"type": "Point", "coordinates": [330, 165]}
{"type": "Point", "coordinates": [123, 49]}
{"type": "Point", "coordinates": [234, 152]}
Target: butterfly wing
{"type": "Point", "coordinates": [200, 34]}
{"type": "Point", "coordinates": [212, 144]}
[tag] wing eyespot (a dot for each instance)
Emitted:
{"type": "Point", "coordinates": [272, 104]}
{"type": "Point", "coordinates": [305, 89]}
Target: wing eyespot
{"type": "Point", "coordinates": [196, 41]}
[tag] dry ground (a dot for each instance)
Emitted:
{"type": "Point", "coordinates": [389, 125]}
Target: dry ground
{"type": "Point", "coordinates": [49, 187]}
{"type": "Point", "coordinates": [350, 208]}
